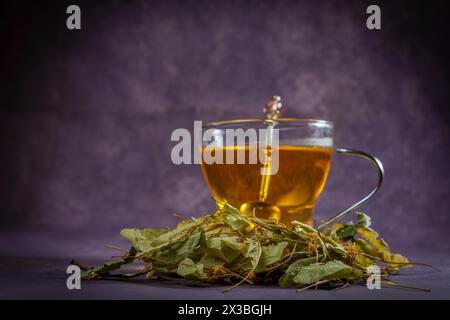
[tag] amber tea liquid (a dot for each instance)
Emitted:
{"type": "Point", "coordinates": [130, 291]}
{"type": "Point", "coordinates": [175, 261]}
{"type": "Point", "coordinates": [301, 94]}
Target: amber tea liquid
{"type": "Point", "coordinates": [290, 193]}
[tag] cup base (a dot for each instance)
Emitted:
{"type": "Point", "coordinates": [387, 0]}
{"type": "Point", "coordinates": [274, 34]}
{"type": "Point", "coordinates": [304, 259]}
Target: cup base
{"type": "Point", "coordinates": [266, 210]}
{"type": "Point", "coordinates": [261, 210]}
{"type": "Point", "coordinates": [304, 215]}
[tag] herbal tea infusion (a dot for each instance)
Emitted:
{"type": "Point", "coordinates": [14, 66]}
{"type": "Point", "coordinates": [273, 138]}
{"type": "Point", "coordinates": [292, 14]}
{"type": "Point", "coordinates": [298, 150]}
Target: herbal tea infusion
{"type": "Point", "coordinates": [288, 195]}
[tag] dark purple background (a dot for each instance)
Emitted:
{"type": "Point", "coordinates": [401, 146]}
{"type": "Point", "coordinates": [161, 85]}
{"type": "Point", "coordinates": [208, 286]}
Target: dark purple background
{"type": "Point", "coordinates": [87, 115]}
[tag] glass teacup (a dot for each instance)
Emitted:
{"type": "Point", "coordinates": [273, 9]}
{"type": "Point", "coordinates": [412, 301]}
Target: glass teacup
{"type": "Point", "coordinates": [303, 150]}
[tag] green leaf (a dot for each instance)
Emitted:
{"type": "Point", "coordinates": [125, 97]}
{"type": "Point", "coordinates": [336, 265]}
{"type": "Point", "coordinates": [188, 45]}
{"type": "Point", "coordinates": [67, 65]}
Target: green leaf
{"type": "Point", "coordinates": [236, 222]}
{"type": "Point", "coordinates": [346, 232]}
{"type": "Point", "coordinates": [190, 270]}
{"type": "Point", "coordinates": [142, 239]}
{"type": "Point", "coordinates": [271, 254]}
{"type": "Point", "coordinates": [175, 234]}
{"type": "Point", "coordinates": [254, 252]}
{"type": "Point", "coordinates": [235, 244]}
{"type": "Point", "coordinates": [363, 219]}
{"type": "Point", "coordinates": [286, 280]}
{"type": "Point", "coordinates": [179, 250]}
{"type": "Point", "coordinates": [250, 258]}
{"type": "Point", "coordinates": [320, 271]}
{"type": "Point", "coordinates": [212, 261]}
{"type": "Point", "coordinates": [214, 247]}
{"type": "Point", "coordinates": [223, 249]}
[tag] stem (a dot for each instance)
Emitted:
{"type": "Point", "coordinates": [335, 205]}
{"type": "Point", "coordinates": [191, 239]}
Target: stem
{"type": "Point", "coordinates": [393, 284]}
{"type": "Point", "coordinates": [248, 274]}
{"type": "Point", "coordinates": [313, 285]}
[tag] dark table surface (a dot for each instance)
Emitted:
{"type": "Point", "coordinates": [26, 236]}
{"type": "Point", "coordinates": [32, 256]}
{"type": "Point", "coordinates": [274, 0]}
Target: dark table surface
{"type": "Point", "coordinates": [45, 278]}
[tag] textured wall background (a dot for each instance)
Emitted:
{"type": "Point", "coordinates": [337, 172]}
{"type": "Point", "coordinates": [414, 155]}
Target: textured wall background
{"type": "Point", "coordinates": [87, 115]}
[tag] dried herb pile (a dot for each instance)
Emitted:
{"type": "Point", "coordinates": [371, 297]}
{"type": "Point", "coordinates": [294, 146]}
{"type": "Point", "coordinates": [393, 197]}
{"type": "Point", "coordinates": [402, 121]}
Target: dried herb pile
{"type": "Point", "coordinates": [226, 247]}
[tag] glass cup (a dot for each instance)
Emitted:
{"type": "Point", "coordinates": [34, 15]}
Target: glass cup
{"type": "Point", "coordinates": [294, 159]}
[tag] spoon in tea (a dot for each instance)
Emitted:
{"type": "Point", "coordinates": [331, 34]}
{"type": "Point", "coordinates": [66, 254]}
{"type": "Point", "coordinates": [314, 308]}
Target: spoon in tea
{"type": "Point", "coordinates": [262, 208]}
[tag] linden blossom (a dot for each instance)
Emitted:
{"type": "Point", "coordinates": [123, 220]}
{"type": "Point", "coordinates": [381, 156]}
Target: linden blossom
{"type": "Point", "coordinates": [213, 146]}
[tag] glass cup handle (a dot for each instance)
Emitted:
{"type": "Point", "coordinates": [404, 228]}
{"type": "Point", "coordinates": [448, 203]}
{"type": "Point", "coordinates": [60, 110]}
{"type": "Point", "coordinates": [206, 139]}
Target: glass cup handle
{"type": "Point", "coordinates": [380, 171]}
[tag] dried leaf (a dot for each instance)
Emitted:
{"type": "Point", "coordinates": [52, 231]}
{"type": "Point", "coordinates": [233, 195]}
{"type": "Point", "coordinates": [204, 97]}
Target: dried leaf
{"type": "Point", "coordinates": [225, 246]}
{"type": "Point", "coordinates": [142, 239]}
{"type": "Point", "coordinates": [272, 254]}
{"type": "Point", "coordinates": [286, 280]}
{"type": "Point", "coordinates": [347, 232]}
{"type": "Point", "coordinates": [190, 270]}
{"type": "Point", "coordinates": [178, 251]}
{"type": "Point", "coordinates": [320, 271]}
{"type": "Point", "coordinates": [363, 219]}
{"type": "Point", "coordinates": [381, 249]}
{"type": "Point", "coordinates": [105, 269]}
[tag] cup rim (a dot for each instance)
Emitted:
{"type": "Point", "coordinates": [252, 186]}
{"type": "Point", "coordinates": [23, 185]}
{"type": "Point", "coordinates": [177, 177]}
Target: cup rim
{"type": "Point", "coordinates": [282, 120]}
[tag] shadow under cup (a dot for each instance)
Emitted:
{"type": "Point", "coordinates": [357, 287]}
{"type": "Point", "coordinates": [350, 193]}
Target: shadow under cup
{"type": "Point", "coordinates": [303, 151]}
